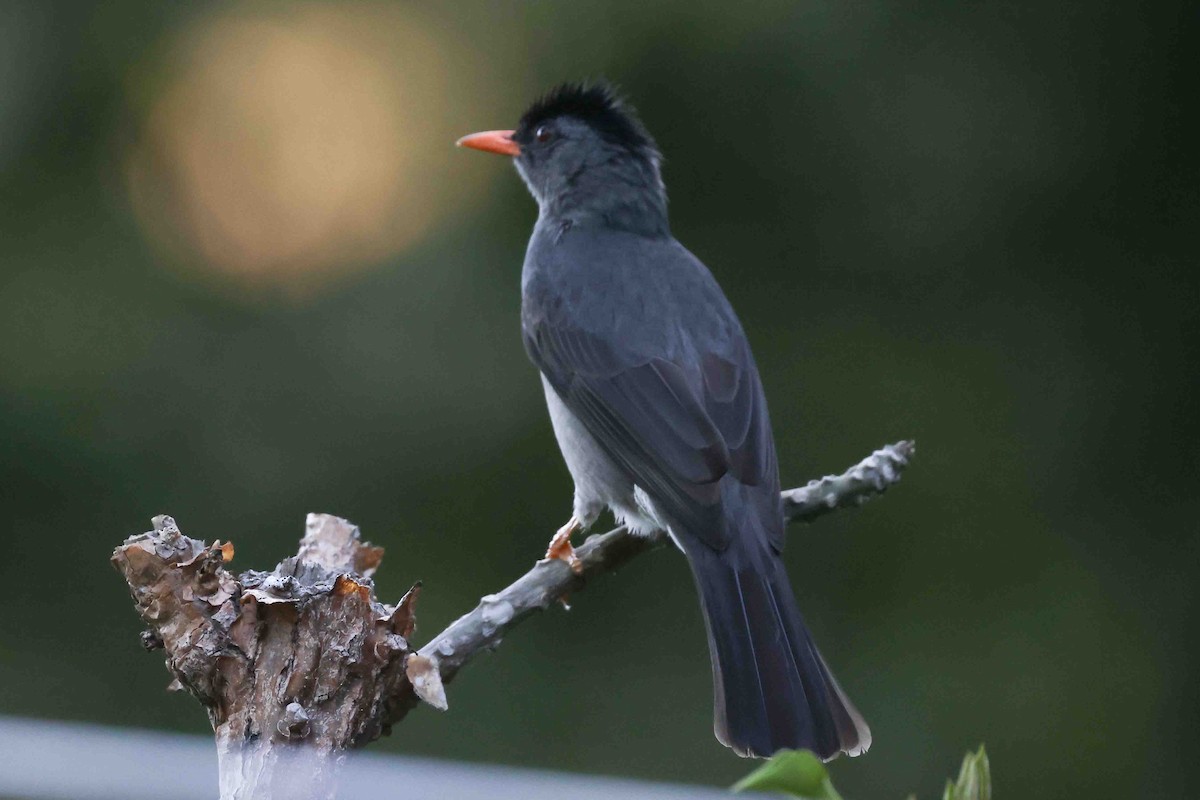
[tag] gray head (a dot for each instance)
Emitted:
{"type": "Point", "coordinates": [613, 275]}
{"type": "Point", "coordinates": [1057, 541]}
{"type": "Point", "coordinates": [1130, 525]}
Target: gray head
{"type": "Point", "coordinates": [587, 159]}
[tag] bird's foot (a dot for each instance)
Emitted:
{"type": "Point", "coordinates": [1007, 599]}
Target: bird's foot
{"type": "Point", "coordinates": [560, 546]}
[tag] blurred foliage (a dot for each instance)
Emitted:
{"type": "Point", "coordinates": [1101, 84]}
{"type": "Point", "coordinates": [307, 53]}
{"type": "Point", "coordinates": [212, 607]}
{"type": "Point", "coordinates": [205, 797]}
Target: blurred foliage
{"type": "Point", "coordinates": [972, 224]}
{"type": "Point", "coordinates": [974, 779]}
{"type": "Point", "coordinates": [799, 773]}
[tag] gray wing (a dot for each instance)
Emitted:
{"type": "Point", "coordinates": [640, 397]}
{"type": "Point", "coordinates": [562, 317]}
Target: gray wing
{"type": "Point", "coordinates": [676, 427]}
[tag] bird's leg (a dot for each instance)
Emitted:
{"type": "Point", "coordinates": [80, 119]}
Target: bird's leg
{"type": "Point", "coordinates": [560, 545]}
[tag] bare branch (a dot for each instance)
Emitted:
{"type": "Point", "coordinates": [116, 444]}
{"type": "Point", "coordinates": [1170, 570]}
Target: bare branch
{"type": "Point", "coordinates": [485, 626]}
{"type": "Point", "coordinates": [866, 479]}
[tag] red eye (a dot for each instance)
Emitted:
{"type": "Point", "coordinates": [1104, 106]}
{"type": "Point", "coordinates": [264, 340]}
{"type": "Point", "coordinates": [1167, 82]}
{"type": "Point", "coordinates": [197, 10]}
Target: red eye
{"type": "Point", "coordinates": [543, 133]}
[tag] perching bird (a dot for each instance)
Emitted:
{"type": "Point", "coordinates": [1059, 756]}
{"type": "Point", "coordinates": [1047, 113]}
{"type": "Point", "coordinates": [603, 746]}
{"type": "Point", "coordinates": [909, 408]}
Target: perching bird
{"type": "Point", "coordinates": [657, 406]}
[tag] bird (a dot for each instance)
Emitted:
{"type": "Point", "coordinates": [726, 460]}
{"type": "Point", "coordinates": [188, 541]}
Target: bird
{"type": "Point", "coordinates": [658, 408]}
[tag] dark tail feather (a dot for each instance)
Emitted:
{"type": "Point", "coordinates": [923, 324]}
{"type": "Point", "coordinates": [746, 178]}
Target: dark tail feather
{"type": "Point", "coordinates": [771, 687]}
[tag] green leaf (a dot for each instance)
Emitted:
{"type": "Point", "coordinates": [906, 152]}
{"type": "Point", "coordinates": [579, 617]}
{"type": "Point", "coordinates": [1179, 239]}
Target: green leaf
{"type": "Point", "coordinates": [795, 772]}
{"type": "Point", "coordinates": [974, 779]}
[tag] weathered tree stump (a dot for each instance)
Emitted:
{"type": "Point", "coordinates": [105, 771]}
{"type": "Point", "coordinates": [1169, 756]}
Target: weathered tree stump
{"type": "Point", "coordinates": [294, 666]}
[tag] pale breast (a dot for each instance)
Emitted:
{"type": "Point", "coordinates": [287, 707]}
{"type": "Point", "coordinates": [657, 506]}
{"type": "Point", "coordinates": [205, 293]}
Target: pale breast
{"type": "Point", "coordinates": [599, 482]}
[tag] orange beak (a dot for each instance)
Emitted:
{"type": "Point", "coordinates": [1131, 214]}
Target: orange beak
{"type": "Point", "coordinates": [492, 142]}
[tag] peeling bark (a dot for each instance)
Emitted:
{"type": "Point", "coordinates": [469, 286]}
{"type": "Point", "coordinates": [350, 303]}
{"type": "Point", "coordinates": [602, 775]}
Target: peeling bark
{"type": "Point", "coordinates": [294, 666]}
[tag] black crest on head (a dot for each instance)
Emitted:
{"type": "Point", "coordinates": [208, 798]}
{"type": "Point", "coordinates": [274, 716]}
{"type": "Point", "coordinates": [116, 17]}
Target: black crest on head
{"type": "Point", "coordinates": [598, 105]}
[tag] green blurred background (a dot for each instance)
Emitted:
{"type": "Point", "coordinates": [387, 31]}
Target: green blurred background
{"type": "Point", "coordinates": [244, 275]}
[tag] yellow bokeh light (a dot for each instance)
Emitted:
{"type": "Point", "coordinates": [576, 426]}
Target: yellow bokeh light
{"type": "Point", "coordinates": [284, 147]}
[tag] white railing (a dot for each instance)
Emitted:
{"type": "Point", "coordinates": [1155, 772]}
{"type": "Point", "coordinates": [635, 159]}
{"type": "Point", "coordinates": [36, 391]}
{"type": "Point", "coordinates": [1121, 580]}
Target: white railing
{"type": "Point", "coordinates": [43, 760]}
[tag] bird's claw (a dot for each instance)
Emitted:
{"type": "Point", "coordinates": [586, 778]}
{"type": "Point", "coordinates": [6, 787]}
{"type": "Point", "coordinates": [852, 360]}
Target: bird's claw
{"type": "Point", "coordinates": [560, 546]}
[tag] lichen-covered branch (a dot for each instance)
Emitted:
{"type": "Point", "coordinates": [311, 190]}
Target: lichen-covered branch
{"type": "Point", "coordinates": [297, 665]}
{"type": "Point", "coordinates": [866, 479]}
{"type": "Point", "coordinates": [484, 627]}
